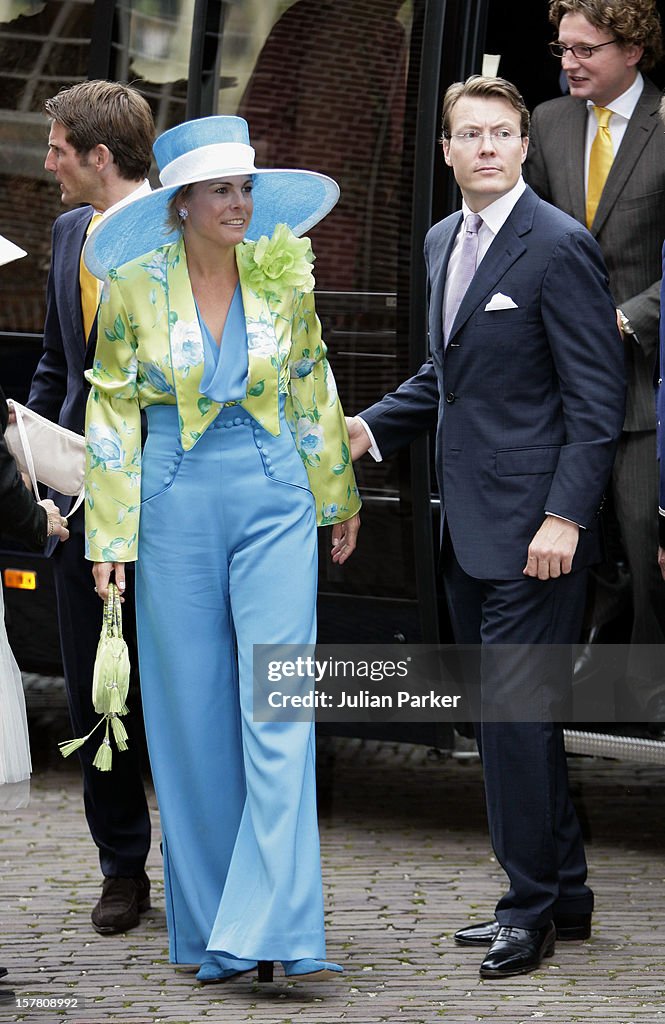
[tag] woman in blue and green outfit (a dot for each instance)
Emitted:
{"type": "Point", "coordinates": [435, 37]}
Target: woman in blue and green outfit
{"type": "Point", "coordinates": [207, 322]}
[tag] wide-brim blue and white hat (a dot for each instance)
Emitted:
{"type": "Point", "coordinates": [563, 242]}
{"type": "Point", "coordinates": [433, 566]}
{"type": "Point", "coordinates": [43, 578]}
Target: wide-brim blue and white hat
{"type": "Point", "coordinates": [201, 150]}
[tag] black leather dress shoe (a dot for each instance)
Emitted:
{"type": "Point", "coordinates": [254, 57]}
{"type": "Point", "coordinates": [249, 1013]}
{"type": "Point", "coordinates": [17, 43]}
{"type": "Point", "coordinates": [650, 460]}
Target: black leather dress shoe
{"type": "Point", "coordinates": [121, 903]}
{"type": "Point", "coordinates": [518, 950]}
{"type": "Point", "coordinates": [3, 971]}
{"type": "Point", "coordinates": [569, 928]}
{"type": "Point", "coordinates": [477, 934]}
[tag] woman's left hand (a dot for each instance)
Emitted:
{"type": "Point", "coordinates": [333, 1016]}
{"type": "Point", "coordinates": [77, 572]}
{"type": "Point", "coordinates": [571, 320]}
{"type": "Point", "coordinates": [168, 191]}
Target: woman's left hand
{"type": "Point", "coordinates": [102, 572]}
{"type": "Point", "coordinates": [344, 536]}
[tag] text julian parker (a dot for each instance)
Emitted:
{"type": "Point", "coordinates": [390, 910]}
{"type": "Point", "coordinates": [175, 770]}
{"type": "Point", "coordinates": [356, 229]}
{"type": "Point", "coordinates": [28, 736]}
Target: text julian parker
{"type": "Point", "coordinates": [362, 699]}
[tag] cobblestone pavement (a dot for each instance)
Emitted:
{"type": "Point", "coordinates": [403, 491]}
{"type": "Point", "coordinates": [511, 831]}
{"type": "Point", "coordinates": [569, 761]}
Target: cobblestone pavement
{"type": "Point", "coordinates": [406, 862]}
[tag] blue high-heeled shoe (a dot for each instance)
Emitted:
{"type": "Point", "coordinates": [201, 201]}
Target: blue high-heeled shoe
{"type": "Point", "coordinates": [311, 970]}
{"type": "Point", "coordinates": [220, 969]}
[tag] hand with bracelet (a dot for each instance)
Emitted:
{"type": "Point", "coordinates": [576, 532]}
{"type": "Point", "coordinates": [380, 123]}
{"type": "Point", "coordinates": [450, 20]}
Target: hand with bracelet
{"type": "Point", "coordinates": [56, 524]}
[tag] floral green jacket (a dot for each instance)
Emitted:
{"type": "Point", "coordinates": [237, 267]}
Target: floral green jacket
{"type": "Point", "coordinates": [150, 351]}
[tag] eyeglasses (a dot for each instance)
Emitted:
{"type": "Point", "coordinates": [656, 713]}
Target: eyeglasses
{"type": "Point", "coordinates": [499, 137]}
{"type": "Point", "coordinates": [579, 51]}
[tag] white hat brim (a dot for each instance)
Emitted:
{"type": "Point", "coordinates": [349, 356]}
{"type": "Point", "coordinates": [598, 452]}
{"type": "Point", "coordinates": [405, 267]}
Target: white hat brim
{"type": "Point", "coordinates": [9, 251]}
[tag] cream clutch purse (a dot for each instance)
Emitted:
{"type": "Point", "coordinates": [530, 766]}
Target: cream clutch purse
{"type": "Point", "coordinates": [47, 452]}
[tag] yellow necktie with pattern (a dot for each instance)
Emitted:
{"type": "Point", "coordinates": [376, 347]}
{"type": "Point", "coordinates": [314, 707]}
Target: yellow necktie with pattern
{"type": "Point", "coordinates": [600, 161]}
{"type": "Point", "coordinates": [89, 286]}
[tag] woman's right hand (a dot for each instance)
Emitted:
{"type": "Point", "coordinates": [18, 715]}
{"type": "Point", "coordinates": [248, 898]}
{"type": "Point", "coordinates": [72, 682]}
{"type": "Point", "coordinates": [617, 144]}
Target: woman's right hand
{"type": "Point", "coordinates": [358, 437]}
{"type": "Point", "coordinates": [102, 575]}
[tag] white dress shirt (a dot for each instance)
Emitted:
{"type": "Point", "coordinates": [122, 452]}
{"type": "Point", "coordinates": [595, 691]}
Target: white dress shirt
{"type": "Point", "coordinates": [494, 217]}
{"type": "Point", "coordinates": [623, 108]}
{"type": "Point", "coordinates": [144, 189]}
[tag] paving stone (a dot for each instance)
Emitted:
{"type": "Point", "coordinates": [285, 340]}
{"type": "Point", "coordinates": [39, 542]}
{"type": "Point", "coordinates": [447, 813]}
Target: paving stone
{"type": "Point", "coordinates": [406, 862]}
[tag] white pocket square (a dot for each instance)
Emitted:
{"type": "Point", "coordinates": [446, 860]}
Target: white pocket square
{"type": "Point", "coordinates": [500, 301]}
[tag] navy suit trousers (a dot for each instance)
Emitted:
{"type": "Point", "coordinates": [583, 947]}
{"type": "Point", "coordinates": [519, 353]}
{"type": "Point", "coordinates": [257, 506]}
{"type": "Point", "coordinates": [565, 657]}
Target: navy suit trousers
{"type": "Point", "coordinates": [533, 826]}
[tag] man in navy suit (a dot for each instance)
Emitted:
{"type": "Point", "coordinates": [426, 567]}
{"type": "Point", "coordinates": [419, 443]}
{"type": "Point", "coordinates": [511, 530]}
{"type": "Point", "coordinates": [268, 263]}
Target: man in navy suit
{"type": "Point", "coordinates": [99, 151]}
{"type": "Point", "coordinates": [526, 388]}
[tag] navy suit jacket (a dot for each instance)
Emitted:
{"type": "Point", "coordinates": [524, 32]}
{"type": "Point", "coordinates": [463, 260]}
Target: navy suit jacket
{"type": "Point", "coordinates": [59, 390]}
{"type": "Point", "coordinates": [528, 401]}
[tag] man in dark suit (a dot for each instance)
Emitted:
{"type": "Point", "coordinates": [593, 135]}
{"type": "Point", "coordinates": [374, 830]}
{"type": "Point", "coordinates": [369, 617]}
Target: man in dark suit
{"type": "Point", "coordinates": [604, 45]}
{"type": "Point", "coordinates": [526, 388]}
{"type": "Point", "coordinates": [100, 142]}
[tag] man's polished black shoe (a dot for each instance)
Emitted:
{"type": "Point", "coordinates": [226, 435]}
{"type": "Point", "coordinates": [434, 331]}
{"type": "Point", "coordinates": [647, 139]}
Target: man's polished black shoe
{"type": "Point", "coordinates": [569, 928]}
{"type": "Point", "coordinates": [518, 950]}
{"type": "Point", "coordinates": [3, 972]}
{"type": "Point", "coordinates": [477, 934]}
{"type": "Point", "coordinates": [121, 903]}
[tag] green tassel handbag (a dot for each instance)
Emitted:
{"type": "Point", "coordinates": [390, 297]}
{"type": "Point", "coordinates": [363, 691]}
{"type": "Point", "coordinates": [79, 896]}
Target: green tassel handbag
{"type": "Point", "coordinates": [110, 685]}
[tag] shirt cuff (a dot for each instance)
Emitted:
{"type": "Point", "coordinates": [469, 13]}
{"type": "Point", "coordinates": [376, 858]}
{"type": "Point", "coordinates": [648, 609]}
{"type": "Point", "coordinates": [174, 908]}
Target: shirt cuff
{"type": "Point", "coordinates": [627, 327]}
{"type": "Point", "coordinates": [373, 448]}
{"type": "Point", "coordinates": [564, 520]}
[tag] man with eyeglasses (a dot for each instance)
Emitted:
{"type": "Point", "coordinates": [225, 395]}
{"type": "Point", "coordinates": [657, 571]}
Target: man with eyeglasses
{"type": "Point", "coordinates": [525, 387]}
{"type": "Point", "coordinates": [599, 155]}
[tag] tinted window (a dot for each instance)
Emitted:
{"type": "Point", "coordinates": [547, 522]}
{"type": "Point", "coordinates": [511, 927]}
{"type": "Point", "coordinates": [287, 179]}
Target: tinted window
{"type": "Point", "coordinates": [43, 46]}
{"type": "Point", "coordinates": [150, 49]}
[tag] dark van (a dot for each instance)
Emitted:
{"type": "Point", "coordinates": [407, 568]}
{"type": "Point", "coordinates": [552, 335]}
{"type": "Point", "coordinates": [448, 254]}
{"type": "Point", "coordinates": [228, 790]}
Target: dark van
{"type": "Point", "coordinates": [352, 88]}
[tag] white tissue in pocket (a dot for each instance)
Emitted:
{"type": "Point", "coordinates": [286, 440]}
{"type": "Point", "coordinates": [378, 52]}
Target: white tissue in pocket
{"type": "Point", "coordinates": [500, 301]}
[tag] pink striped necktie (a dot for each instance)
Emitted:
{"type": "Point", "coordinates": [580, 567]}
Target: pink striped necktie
{"type": "Point", "coordinates": [463, 272]}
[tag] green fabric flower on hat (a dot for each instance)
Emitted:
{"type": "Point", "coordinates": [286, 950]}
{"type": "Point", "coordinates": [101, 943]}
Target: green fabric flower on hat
{"type": "Point", "coordinates": [282, 261]}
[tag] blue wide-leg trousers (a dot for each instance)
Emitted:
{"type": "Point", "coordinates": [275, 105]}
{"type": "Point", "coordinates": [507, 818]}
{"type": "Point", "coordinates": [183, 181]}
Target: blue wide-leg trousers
{"type": "Point", "coordinates": [227, 559]}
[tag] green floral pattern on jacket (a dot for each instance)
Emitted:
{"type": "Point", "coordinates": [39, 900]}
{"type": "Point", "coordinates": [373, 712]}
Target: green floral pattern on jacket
{"type": "Point", "coordinates": [150, 351]}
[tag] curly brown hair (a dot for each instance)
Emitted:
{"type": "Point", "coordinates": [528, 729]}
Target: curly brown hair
{"type": "Point", "coordinates": [632, 22]}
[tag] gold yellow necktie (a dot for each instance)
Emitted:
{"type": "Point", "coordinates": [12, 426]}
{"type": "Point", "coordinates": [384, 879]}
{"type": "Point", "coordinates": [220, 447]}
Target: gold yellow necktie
{"type": "Point", "coordinates": [89, 286]}
{"type": "Point", "coordinates": [600, 161]}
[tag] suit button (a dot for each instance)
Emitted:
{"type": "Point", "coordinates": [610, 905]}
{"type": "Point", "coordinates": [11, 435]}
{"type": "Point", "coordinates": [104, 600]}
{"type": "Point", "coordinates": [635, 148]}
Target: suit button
{"type": "Point", "coordinates": [450, 398]}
